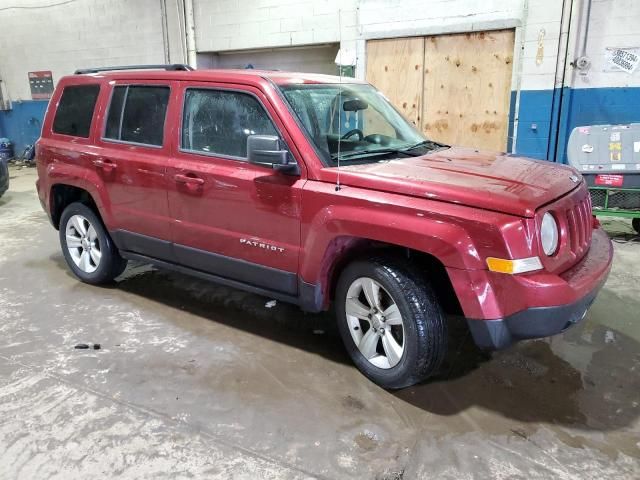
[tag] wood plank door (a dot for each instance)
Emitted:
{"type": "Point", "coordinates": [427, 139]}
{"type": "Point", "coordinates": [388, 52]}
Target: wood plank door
{"type": "Point", "coordinates": [467, 88]}
{"type": "Point", "coordinates": [455, 88]}
{"type": "Point", "coordinates": [394, 66]}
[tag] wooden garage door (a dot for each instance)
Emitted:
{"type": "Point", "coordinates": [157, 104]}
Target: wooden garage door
{"type": "Point", "coordinates": [395, 67]}
{"type": "Point", "coordinates": [462, 93]}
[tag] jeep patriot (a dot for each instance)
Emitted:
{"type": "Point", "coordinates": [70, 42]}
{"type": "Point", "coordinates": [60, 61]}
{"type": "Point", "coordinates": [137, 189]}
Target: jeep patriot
{"type": "Point", "coordinates": [314, 190]}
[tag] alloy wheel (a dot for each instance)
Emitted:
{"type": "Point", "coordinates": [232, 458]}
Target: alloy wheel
{"type": "Point", "coordinates": [375, 323]}
{"type": "Point", "coordinates": [83, 244]}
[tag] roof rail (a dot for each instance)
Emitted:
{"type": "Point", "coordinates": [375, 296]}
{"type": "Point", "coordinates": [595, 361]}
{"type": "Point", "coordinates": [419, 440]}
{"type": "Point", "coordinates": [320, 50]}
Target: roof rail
{"type": "Point", "coordinates": [169, 67]}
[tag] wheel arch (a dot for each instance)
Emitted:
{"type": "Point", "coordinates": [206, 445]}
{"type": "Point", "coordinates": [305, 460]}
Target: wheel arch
{"type": "Point", "coordinates": [343, 250]}
{"type": "Point", "coordinates": [62, 195]}
{"type": "Point", "coordinates": [70, 182]}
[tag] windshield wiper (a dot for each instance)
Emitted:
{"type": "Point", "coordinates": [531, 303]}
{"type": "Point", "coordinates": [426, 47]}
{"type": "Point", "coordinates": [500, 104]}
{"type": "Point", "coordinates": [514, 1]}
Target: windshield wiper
{"type": "Point", "coordinates": [370, 153]}
{"type": "Point", "coordinates": [387, 151]}
{"type": "Point", "coordinates": [430, 143]}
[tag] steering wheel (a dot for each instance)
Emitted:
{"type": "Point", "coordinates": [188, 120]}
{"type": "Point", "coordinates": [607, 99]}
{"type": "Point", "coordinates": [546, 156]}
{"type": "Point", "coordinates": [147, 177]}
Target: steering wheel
{"type": "Point", "coordinates": [351, 133]}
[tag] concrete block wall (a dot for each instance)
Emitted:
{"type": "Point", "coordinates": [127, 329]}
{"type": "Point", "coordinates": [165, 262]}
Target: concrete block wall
{"type": "Point", "coordinates": [600, 95]}
{"type": "Point", "coordinates": [576, 98]}
{"type": "Point", "coordinates": [64, 36]}
{"type": "Point", "coordinates": [227, 25]}
{"type": "Point", "coordinates": [533, 95]}
{"type": "Point", "coordinates": [416, 17]}
{"type": "Point", "coordinates": [547, 98]}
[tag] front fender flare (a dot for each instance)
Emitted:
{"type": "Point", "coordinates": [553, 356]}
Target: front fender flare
{"type": "Point", "coordinates": [333, 226]}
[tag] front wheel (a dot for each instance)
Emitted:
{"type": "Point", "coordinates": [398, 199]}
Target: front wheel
{"type": "Point", "coordinates": [390, 322]}
{"type": "Point", "coordinates": [636, 224]}
{"type": "Point", "coordinates": [87, 246]}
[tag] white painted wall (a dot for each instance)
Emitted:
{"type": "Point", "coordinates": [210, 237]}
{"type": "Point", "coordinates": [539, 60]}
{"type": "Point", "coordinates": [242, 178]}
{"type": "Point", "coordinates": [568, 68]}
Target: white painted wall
{"type": "Point", "coordinates": [613, 23]}
{"type": "Point", "coordinates": [540, 29]}
{"type": "Point", "coordinates": [61, 36]}
{"type": "Point", "coordinates": [223, 25]}
{"type": "Point", "coordinates": [316, 59]}
{"type": "Point", "coordinates": [232, 25]}
{"type": "Point", "coordinates": [419, 17]}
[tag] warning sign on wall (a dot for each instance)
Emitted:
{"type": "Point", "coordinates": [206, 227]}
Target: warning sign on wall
{"type": "Point", "coordinates": [622, 59]}
{"type": "Point", "coordinates": [41, 84]}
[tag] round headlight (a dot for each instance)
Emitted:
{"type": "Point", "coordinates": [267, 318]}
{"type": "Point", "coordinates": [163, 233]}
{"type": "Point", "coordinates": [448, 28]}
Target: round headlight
{"type": "Point", "coordinates": [549, 234]}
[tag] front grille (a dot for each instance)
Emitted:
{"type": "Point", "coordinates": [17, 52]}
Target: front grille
{"type": "Point", "coordinates": [574, 217]}
{"type": "Point", "coordinates": [612, 199]}
{"type": "Point", "coordinates": [580, 226]}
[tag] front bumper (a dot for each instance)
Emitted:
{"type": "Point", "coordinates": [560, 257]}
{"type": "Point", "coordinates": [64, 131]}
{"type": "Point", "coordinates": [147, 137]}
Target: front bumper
{"type": "Point", "coordinates": [536, 322]}
{"type": "Point", "coordinates": [551, 305]}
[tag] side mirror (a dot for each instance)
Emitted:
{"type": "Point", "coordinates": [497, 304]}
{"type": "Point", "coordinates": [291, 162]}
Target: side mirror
{"type": "Point", "coordinates": [268, 151]}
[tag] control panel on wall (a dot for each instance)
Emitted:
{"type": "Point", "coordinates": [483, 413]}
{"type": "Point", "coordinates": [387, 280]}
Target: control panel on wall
{"type": "Point", "coordinates": [41, 84]}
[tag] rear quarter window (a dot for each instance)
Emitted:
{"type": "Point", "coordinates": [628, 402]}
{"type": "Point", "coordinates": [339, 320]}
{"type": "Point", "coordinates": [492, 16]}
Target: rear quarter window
{"type": "Point", "coordinates": [75, 110]}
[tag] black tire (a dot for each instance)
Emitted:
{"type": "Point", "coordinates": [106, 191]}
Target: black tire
{"type": "Point", "coordinates": [425, 330]}
{"type": "Point", "coordinates": [636, 224]}
{"type": "Point", "coordinates": [110, 265]}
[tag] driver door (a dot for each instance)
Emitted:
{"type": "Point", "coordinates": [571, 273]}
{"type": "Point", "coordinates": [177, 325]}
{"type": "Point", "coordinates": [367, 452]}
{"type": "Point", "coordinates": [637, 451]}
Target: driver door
{"type": "Point", "coordinates": [231, 218]}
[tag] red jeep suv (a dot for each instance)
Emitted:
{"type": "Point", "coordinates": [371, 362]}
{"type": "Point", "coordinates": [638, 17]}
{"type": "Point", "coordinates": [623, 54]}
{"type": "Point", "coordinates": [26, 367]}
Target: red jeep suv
{"type": "Point", "coordinates": [314, 190]}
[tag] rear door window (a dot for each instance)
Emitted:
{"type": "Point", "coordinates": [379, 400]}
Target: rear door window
{"type": "Point", "coordinates": [75, 110]}
{"type": "Point", "coordinates": [219, 122]}
{"type": "Point", "coordinates": [137, 114]}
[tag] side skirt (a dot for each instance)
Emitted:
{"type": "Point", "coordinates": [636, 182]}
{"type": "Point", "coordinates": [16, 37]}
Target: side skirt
{"type": "Point", "coordinates": [308, 300]}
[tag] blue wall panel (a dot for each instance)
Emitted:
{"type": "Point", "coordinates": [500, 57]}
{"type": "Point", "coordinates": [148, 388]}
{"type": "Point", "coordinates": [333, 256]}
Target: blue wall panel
{"type": "Point", "coordinates": [557, 112]}
{"type": "Point", "coordinates": [596, 106]}
{"type": "Point", "coordinates": [22, 124]}
{"type": "Point", "coordinates": [535, 109]}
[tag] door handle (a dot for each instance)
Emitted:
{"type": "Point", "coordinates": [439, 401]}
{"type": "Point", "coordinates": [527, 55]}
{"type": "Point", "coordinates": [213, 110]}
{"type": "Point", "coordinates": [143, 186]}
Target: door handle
{"type": "Point", "coordinates": [180, 178]}
{"type": "Point", "coordinates": [105, 164]}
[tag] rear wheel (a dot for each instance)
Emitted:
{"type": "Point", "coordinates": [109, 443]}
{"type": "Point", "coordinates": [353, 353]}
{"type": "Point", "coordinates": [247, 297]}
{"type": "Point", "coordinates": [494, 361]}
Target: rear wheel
{"type": "Point", "coordinates": [390, 322]}
{"type": "Point", "coordinates": [636, 224]}
{"type": "Point", "coordinates": [87, 246]}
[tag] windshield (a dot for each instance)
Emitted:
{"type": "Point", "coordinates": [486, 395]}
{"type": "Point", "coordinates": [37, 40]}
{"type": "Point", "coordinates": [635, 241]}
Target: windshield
{"type": "Point", "coordinates": [358, 115]}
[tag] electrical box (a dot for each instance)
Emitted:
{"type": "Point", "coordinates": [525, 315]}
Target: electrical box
{"type": "Point", "coordinates": [41, 84]}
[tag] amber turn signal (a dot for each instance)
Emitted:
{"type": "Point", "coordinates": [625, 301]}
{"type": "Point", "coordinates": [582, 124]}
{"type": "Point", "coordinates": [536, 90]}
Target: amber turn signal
{"type": "Point", "coordinates": [521, 265]}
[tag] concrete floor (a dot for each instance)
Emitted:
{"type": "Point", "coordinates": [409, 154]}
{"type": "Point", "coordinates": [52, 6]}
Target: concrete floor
{"type": "Point", "coordinates": [197, 380]}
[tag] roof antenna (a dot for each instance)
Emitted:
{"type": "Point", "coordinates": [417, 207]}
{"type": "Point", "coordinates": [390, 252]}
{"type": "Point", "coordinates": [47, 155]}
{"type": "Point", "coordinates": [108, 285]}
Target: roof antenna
{"type": "Point", "coordinates": [340, 54]}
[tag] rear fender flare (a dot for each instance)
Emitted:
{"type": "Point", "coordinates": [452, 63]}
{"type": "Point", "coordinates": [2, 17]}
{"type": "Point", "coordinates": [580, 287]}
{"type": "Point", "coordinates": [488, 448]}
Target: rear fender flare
{"type": "Point", "coordinates": [77, 176]}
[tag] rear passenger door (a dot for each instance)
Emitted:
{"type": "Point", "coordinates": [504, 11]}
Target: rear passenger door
{"type": "Point", "coordinates": [231, 218]}
{"type": "Point", "coordinates": [132, 161]}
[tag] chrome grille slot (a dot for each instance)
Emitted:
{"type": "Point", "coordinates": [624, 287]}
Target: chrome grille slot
{"type": "Point", "coordinates": [579, 227]}
{"type": "Point", "coordinates": [572, 230]}
{"type": "Point", "coordinates": [588, 222]}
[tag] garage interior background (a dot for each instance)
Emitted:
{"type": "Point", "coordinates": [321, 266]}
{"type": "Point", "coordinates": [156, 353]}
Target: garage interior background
{"type": "Point", "coordinates": [502, 74]}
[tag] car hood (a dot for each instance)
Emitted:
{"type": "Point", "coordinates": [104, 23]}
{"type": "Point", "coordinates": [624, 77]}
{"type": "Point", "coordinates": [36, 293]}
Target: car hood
{"type": "Point", "coordinates": [493, 181]}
